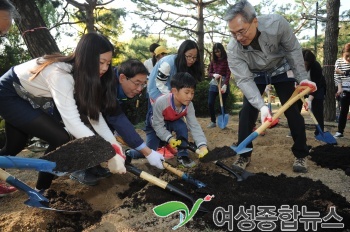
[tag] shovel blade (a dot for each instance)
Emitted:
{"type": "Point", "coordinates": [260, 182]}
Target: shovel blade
{"type": "Point", "coordinates": [222, 120]}
{"type": "Point", "coordinates": [326, 137]}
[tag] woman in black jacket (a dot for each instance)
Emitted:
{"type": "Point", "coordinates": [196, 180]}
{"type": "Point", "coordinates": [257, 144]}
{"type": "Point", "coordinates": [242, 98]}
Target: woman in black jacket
{"type": "Point", "coordinates": [315, 99]}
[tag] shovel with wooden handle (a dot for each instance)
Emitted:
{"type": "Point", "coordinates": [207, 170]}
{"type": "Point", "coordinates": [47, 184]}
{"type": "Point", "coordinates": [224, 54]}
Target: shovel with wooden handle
{"type": "Point", "coordinates": [299, 92]}
{"type": "Point", "coordinates": [184, 176]}
{"type": "Point", "coordinates": [223, 118]}
{"type": "Point", "coordinates": [36, 199]}
{"type": "Point", "coordinates": [242, 147]}
{"type": "Point", "coordinates": [161, 183]}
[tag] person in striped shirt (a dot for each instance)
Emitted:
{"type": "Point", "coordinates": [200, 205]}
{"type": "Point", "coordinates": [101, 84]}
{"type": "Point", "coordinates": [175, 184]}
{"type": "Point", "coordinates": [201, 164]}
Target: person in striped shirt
{"type": "Point", "coordinates": [342, 80]}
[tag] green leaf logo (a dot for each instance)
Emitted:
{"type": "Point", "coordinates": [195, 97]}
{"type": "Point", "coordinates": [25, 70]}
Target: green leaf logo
{"type": "Point", "coordinates": [171, 207]}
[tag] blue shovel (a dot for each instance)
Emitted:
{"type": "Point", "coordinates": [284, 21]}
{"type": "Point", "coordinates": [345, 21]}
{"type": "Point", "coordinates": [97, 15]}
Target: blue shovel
{"type": "Point", "coordinates": [36, 199]}
{"type": "Point", "coordinates": [29, 164]}
{"type": "Point", "coordinates": [322, 136]}
{"type": "Point", "coordinates": [223, 118]}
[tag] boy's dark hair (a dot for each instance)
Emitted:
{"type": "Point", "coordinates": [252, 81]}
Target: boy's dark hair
{"type": "Point", "coordinates": [183, 80]}
{"type": "Point", "coordinates": [131, 68]}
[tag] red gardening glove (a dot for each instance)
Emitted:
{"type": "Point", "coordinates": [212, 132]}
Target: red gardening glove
{"type": "Point", "coordinates": [117, 163]}
{"type": "Point", "coordinates": [310, 84]}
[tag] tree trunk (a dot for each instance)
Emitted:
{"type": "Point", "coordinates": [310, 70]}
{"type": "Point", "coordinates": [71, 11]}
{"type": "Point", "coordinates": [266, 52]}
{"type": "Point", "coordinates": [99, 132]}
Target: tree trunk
{"type": "Point", "coordinates": [200, 34]}
{"type": "Point", "coordinates": [330, 51]}
{"type": "Point", "coordinates": [33, 28]}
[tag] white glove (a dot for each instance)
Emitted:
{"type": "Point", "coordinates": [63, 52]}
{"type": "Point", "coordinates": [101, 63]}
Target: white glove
{"type": "Point", "coordinates": [163, 71]}
{"type": "Point", "coordinates": [265, 114]}
{"type": "Point", "coordinates": [310, 84]}
{"type": "Point", "coordinates": [216, 76]}
{"type": "Point", "coordinates": [223, 89]}
{"type": "Point", "coordinates": [117, 164]}
{"type": "Point", "coordinates": [155, 159]}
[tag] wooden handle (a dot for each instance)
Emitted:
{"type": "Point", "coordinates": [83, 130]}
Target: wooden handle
{"type": "Point", "coordinates": [299, 92]}
{"type": "Point", "coordinates": [154, 180]}
{"type": "Point", "coordinates": [172, 169]}
{"type": "Point", "coordinates": [310, 112]}
{"type": "Point", "coordinates": [4, 175]}
{"type": "Point", "coordinates": [220, 95]}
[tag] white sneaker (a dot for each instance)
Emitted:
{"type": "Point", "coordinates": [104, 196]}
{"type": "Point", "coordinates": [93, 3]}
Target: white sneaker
{"type": "Point", "coordinates": [211, 125]}
{"type": "Point", "coordinates": [338, 135]}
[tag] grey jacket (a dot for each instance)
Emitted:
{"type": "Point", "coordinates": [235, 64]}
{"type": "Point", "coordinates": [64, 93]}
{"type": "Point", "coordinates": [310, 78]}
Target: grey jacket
{"type": "Point", "coordinates": [280, 48]}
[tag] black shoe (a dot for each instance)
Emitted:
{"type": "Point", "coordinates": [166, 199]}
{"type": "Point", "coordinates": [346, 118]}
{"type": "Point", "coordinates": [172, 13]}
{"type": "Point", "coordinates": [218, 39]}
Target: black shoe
{"type": "Point", "coordinates": [100, 171]}
{"type": "Point", "coordinates": [84, 177]}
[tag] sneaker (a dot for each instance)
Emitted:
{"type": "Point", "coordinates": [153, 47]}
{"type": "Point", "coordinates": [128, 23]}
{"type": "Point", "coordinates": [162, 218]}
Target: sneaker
{"type": "Point", "coordinates": [6, 190]}
{"type": "Point", "coordinates": [84, 177]}
{"type": "Point", "coordinates": [300, 165]}
{"type": "Point", "coordinates": [38, 146]}
{"type": "Point", "coordinates": [338, 135]}
{"type": "Point", "coordinates": [211, 125]}
{"type": "Point", "coordinates": [100, 171]}
{"type": "Point", "coordinates": [289, 135]}
{"type": "Point", "coordinates": [241, 163]}
{"type": "Point", "coordinates": [185, 161]}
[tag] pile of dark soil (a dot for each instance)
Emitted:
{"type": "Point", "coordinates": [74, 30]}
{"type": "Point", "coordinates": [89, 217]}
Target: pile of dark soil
{"type": "Point", "coordinates": [70, 221]}
{"type": "Point", "coordinates": [256, 191]}
{"type": "Point", "coordinates": [332, 157]}
{"type": "Point", "coordinates": [81, 154]}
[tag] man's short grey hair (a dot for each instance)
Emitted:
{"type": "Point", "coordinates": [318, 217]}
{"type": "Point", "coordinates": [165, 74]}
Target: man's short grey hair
{"type": "Point", "coordinates": [243, 8]}
{"type": "Point", "coordinates": [6, 5]}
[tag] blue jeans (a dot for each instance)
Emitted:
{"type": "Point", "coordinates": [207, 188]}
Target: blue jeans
{"type": "Point", "coordinates": [152, 140]}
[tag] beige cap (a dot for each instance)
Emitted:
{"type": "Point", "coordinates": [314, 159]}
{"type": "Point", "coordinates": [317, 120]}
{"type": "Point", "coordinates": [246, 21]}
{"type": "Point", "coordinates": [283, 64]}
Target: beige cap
{"type": "Point", "coordinates": [160, 49]}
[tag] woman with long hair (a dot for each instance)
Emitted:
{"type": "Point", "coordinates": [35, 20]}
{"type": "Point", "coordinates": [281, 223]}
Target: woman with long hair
{"type": "Point", "coordinates": [36, 95]}
{"type": "Point", "coordinates": [218, 69]}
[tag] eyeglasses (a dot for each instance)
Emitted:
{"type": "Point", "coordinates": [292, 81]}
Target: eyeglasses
{"type": "Point", "coordinates": [194, 58]}
{"type": "Point", "coordinates": [137, 84]}
{"type": "Point", "coordinates": [235, 35]}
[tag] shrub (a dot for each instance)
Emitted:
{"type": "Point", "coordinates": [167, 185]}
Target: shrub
{"type": "Point", "coordinates": [200, 100]}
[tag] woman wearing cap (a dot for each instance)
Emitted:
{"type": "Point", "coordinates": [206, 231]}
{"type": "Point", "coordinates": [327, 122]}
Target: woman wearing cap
{"type": "Point", "coordinates": [149, 63]}
{"type": "Point", "coordinates": [160, 52]}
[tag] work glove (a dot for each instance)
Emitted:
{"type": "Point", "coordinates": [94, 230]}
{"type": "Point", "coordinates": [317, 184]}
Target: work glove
{"type": "Point", "coordinates": [265, 114]}
{"type": "Point", "coordinates": [117, 163]}
{"type": "Point", "coordinates": [216, 76]}
{"type": "Point", "coordinates": [174, 142]}
{"type": "Point", "coordinates": [310, 84]}
{"type": "Point", "coordinates": [223, 89]}
{"type": "Point", "coordinates": [202, 151]}
{"type": "Point", "coordinates": [155, 159]}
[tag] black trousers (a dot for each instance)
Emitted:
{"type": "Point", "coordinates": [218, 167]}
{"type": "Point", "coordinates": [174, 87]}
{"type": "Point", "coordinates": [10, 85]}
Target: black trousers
{"type": "Point", "coordinates": [344, 110]}
{"type": "Point", "coordinates": [248, 116]}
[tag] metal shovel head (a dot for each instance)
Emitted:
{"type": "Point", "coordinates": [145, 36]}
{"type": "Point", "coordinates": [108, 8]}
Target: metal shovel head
{"type": "Point", "coordinates": [326, 137]}
{"type": "Point", "coordinates": [222, 120]}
